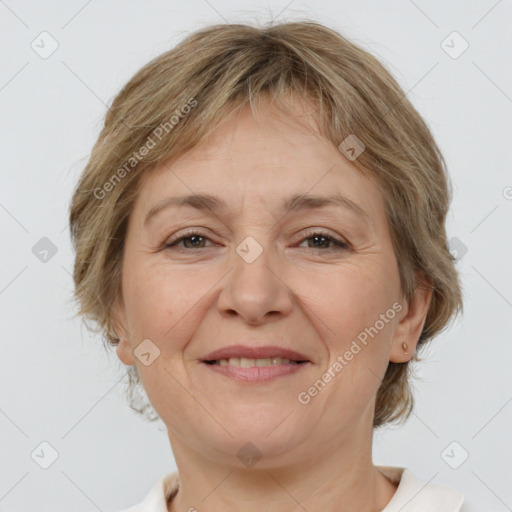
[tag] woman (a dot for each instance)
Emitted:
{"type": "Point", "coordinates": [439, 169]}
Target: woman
{"type": "Point", "coordinates": [260, 232]}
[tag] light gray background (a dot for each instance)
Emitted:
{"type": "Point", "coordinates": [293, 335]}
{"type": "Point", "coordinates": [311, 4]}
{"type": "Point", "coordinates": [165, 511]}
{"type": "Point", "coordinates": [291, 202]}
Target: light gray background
{"type": "Point", "coordinates": [57, 383]}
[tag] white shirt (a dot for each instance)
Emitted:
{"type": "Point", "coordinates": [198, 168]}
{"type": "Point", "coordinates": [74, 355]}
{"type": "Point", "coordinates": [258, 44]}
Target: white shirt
{"type": "Point", "coordinates": [412, 495]}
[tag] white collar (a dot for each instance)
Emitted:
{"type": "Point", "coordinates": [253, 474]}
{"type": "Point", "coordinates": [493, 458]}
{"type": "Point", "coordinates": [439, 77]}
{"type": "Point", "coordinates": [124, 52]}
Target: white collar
{"type": "Point", "coordinates": [416, 495]}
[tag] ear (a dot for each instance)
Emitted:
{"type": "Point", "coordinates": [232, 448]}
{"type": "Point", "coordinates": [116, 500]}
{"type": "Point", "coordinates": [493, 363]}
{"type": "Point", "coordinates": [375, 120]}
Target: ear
{"type": "Point", "coordinates": [411, 324]}
{"type": "Point", "coordinates": [123, 348]}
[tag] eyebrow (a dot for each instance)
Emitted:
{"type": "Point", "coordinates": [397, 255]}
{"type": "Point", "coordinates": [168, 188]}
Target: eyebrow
{"type": "Point", "coordinates": [299, 202]}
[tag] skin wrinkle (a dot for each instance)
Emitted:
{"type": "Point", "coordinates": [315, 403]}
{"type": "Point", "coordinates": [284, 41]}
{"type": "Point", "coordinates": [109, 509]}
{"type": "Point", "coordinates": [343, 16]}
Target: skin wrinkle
{"type": "Point", "coordinates": [312, 301]}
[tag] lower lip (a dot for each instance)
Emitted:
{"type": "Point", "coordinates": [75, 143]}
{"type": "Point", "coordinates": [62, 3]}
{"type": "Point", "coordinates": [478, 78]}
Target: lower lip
{"type": "Point", "coordinates": [257, 373]}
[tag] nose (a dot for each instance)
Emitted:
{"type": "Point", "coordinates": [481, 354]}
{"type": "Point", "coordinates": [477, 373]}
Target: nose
{"type": "Point", "coordinates": [256, 290]}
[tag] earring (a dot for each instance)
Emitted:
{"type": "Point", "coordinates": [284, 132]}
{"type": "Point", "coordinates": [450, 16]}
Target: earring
{"type": "Point", "coordinates": [404, 346]}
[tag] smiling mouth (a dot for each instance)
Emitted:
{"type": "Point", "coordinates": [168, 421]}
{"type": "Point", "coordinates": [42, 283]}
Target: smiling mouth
{"type": "Point", "coordinates": [253, 371]}
{"type": "Point", "coordinates": [243, 362]}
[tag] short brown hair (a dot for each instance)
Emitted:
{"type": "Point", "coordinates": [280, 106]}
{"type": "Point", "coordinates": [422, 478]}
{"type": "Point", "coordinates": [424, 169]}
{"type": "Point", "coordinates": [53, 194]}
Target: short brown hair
{"type": "Point", "coordinates": [187, 91]}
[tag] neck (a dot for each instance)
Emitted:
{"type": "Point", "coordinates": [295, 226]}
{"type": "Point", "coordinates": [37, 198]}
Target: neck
{"type": "Point", "coordinates": [334, 476]}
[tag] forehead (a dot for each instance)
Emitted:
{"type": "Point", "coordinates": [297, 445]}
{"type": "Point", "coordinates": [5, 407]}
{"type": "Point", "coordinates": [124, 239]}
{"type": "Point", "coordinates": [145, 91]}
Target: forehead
{"type": "Point", "coordinates": [247, 161]}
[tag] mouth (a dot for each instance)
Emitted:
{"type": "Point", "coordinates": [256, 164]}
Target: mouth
{"type": "Point", "coordinates": [247, 356]}
{"type": "Point", "coordinates": [244, 362]}
{"type": "Point", "coordinates": [255, 364]}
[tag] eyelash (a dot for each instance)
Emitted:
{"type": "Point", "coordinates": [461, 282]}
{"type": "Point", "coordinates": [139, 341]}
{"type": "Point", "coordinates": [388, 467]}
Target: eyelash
{"type": "Point", "coordinates": [340, 245]}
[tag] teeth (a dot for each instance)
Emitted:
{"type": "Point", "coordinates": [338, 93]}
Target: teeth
{"type": "Point", "coordinates": [243, 362]}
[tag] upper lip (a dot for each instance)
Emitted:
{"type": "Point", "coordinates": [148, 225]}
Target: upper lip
{"type": "Point", "coordinates": [254, 353]}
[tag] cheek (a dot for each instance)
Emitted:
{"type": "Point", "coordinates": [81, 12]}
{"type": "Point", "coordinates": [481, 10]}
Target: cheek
{"type": "Point", "coordinates": [154, 296]}
{"type": "Point", "coordinates": [165, 305]}
{"type": "Point", "coordinates": [358, 311]}
{"type": "Point", "coordinates": [350, 299]}
{"type": "Point", "coordinates": [354, 312]}
{"type": "Point", "coordinates": [148, 304]}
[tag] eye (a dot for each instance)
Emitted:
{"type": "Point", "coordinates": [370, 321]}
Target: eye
{"type": "Point", "coordinates": [318, 237]}
{"type": "Point", "coordinates": [322, 238]}
{"type": "Point", "coordinates": [194, 236]}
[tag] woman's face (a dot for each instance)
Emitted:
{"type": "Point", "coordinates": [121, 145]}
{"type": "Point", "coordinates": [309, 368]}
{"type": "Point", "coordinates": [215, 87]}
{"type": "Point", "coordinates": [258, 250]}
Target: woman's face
{"type": "Point", "coordinates": [258, 274]}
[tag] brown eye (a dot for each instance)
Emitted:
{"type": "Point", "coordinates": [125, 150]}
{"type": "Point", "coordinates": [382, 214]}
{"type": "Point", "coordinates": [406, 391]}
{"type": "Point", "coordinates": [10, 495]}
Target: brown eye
{"type": "Point", "coordinates": [322, 240]}
{"type": "Point", "coordinates": [196, 239]}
